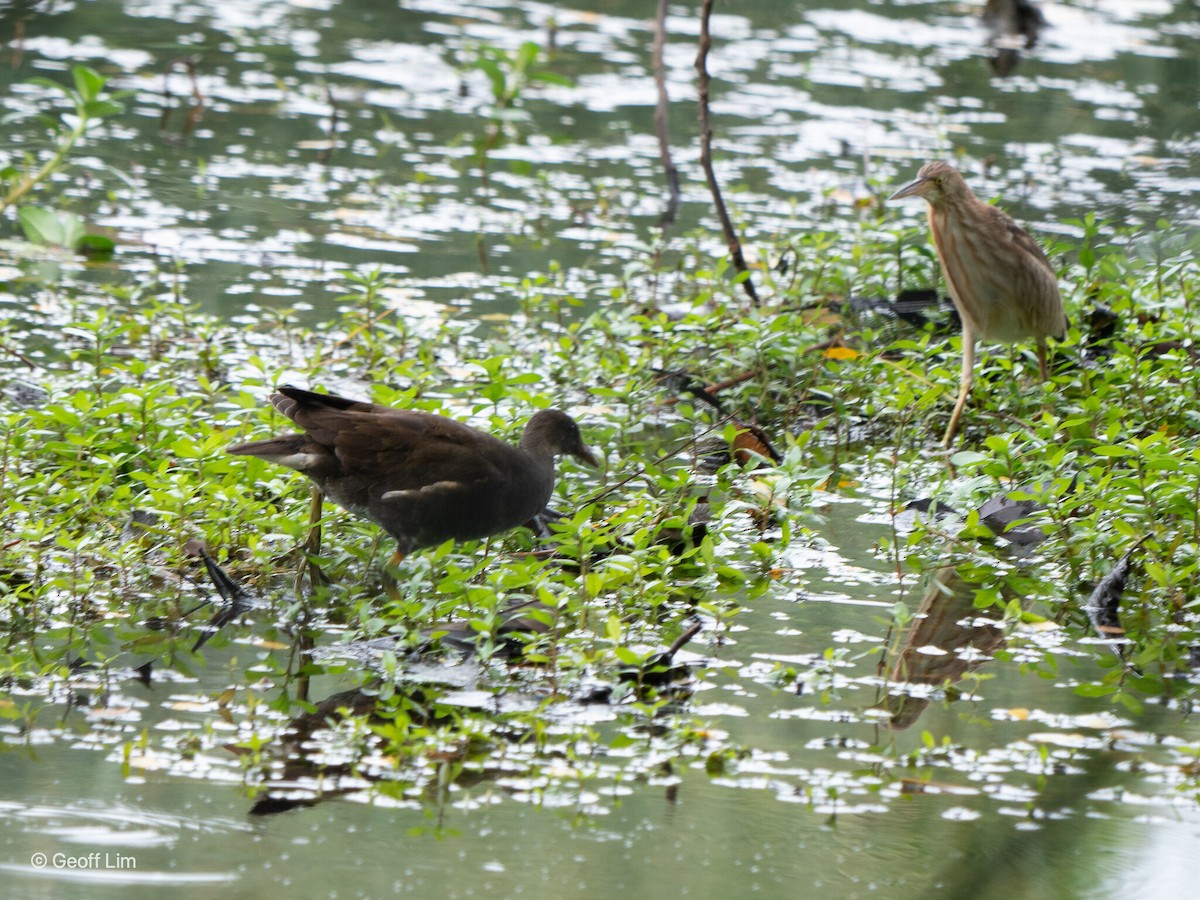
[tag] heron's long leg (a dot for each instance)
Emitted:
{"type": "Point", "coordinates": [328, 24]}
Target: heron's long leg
{"type": "Point", "coordinates": [964, 388]}
{"type": "Point", "coordinates": [1042, 368]}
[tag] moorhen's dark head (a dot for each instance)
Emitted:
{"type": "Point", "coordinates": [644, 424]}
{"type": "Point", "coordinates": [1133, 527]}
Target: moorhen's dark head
{"type": "Point", "coordinates": [552, 432]}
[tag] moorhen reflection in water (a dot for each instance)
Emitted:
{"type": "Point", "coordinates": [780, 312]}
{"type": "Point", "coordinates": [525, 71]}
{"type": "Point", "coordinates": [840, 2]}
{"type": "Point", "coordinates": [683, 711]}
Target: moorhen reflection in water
{"type": "Point", "coordinates": [435, 682]}
{"type": "Point", "coordinates": [425, 478]}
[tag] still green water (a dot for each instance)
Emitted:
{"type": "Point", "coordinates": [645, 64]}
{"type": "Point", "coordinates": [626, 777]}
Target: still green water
{"type": "Point", "coordinates": [814, 105]}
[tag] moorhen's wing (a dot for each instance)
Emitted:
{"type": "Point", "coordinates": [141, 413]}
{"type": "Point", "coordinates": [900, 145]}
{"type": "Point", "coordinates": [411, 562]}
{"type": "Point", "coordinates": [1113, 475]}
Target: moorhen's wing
{"type": "Point", "coordinates": [412, 451]}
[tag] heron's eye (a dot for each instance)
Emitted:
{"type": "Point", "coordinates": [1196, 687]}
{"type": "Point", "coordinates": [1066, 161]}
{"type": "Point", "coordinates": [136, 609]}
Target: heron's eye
{"type": "Point", "coordinates": [938, 181]}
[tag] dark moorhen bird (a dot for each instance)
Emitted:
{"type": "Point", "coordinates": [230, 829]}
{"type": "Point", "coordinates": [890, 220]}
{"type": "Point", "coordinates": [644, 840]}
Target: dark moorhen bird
{"type": "Point", "coordinates": [425, 478]}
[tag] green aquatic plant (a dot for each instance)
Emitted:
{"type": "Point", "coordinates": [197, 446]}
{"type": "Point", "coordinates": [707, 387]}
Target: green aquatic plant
{"type": "Point", "coordinates": [90, 104]}
{"type": "Point", "coordinates": [63, 230]}
{"type": "Point", "coordinates": [510, 75]}
{"type": "Point", "coordinates": [120, 464]}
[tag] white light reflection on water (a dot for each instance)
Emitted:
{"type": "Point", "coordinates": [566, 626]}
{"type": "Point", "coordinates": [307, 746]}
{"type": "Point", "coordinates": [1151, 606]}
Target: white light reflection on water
{"type": "Point", "coordinates": [896, 86]}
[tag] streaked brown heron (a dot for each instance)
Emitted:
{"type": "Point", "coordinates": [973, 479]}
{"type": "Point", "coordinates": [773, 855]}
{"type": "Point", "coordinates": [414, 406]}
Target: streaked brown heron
{"type": "Point", "coordinates": [999, 279]}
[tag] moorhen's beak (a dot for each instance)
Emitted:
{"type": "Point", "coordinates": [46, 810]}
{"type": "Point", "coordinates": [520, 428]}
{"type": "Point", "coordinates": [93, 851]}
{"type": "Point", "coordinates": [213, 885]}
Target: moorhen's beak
{"type": "Point", "coordinates": [581, 452]}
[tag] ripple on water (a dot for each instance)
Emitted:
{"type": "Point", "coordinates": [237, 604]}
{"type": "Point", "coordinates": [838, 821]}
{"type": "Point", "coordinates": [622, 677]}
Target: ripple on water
{"type": "Point", "coordinates": [109, 844]}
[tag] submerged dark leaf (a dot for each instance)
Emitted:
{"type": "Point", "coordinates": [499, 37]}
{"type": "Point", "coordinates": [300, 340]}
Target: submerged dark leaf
{"type": "Point", "coordinates": [1104, 604]}
{"type": "Point", "coordinates": [660, 668]}
{"type": "Point", "coordinates": [680, 381]}
{"type": "Point", "coordinates": [1008, 518]}
{"type": "Point", "coordinates": [1004, 514]}
{"type": "Point", "coordinates": [237, 599]}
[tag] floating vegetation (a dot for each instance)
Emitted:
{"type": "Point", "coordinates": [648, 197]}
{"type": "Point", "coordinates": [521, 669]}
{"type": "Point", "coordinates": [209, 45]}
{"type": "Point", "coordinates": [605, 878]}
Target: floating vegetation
{"type": "Point", "coordinates": [610, 649]}
{"type": "Point", "coordinates": [774, 581]}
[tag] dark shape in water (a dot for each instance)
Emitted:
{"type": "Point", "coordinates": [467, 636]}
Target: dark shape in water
{"type": "Point", "coordinates": [25, 394]}
{"type": "Point", "coordinates": [145, 673]}
{"type": "Point", "coordinates": [237, 599]}
{"type": "Point", "coordinates": [514, 626]}
{"type": "Point", "coordinates": [1011, 23]}
{"type": "Point", "coordinates": [1104, 326]}
{"type": "Point", "coordinates": [425, 478]}
{"type": "Point", "coordinates": [287, 789]}
{"type": "Point", "coordinates": [1004, 514]}
{"type": "Point", "coordinates": [660, 669]}
{"type": "Point", "coordinates": [682, 539]}
{"type": "Point", "coordinates": [1103, 607]}
{"type": "Point", "coordinates": [949, 636]}
{"type": "Point", "coordinates": [681, 381]}
{"type": "Point", "coordinates": [916, 306]}
{"type": "Point", "coordinates": [1009, 517]}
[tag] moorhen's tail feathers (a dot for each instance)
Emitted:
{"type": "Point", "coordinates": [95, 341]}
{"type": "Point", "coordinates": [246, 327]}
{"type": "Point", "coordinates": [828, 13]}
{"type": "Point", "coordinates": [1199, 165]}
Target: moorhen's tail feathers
{"type": "Point", "coordinates": [290, 401]}
{"type": "Point", "coordinates": [296, 451]}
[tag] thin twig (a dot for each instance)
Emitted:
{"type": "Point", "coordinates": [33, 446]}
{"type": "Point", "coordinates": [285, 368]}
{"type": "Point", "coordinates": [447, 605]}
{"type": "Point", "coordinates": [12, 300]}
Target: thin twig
{"type": "Point", "coordinates": [18, 354]}
{"type": "Point", "coordinates": [660, 117]}
{"type": "Point", "coordinates": [312, 540]}
{"type": "Point", "coordinates": [713, 389]}
{"type": "Point", "coordinates": [335, 111]}
{"type": "Point", "coordinates": [688, 633]}
{"type": "Point", "coordinates": [18, 42]}
{"type": "Point", "coordinates": [731, 238]}
{"type": "Point", "coordinates": [188, 64]}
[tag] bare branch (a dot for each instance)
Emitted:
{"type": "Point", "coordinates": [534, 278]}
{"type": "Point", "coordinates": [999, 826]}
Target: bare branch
{"type": "Point", "coordinates": [731, 238]}
{"type": "Point", "coordinates": [660, 117]}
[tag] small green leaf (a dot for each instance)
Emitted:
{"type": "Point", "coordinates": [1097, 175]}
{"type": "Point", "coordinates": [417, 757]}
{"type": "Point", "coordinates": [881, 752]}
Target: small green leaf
{"type": "Point", "coordinates": [88, 82]}
{"type": "Point", "coordinates": [965, 458]}
{"type": "Point", "coordinates": [1093, 689]}
{"type": "Point", "coordinates": [541, 76]}
{"type": "Point", "coordinates": [41, 226]}
{"type": "Point", "coordinates": [490, 68]}
{"type": "Point", "coordinates": [47, 83]}
{"type": "Point", "coordinates": [526, 54]}
{"type": "Point", "coordinates": [96, 246]}
{"type": "Point", "coordinates": [627, 656]}
{"type": "Point", "coordinates": [99, 109]}
{"type": "Point", "coordinates": [49, 228]}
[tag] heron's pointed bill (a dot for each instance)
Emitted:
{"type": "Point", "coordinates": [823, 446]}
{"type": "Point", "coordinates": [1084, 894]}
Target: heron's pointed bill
{"type": "Point", "coordinates": [915, 188]}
